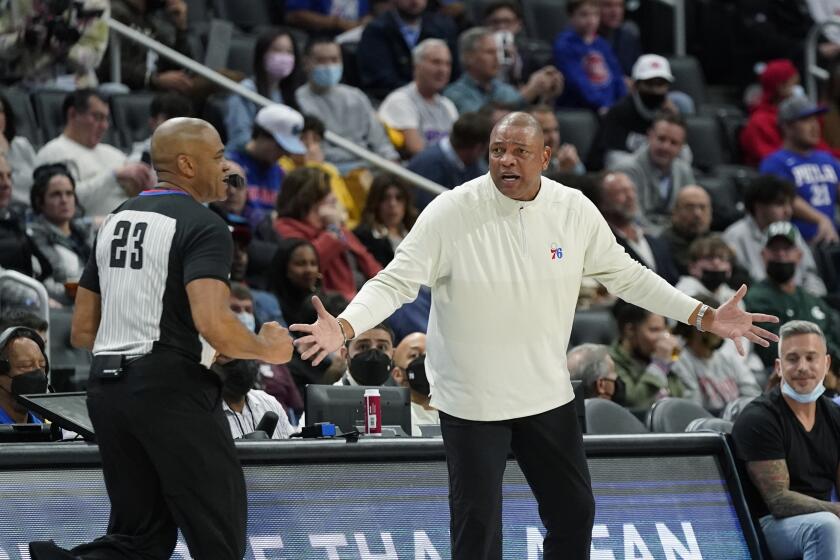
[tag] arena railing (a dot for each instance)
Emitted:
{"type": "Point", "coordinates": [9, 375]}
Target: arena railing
{"type": "Point", "coordinates": [121, 31]}
{"type": "Point", "coordinates": [813, 70]}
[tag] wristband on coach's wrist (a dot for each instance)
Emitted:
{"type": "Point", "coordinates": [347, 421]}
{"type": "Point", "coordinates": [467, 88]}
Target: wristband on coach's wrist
{"type": "Point", "coordinates": [698, 321]}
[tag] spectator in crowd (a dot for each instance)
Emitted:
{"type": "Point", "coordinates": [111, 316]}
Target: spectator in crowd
{"type": "Point", "coordinates": [62, 238]}
{"type": "Point", "coordinates": [594, 78]}
{"type": "Point", "coordinates": [564, 157]}
{"type": "Point", "coordinates": [237, 195]}
{"type": "Point", "coordinates": [103, 178]}
{"type": "Point", "coordinates": [644, 356]}
{"type": "Point", "coordinates": [779, 294]}
{"type": "Point", "coordinates": [813, 171]}
{"type": "Point", "coordinates": [387, 218]}
{"type": "Point", "coordinates": [23, 370]}
{"type": "Point", "coordinates": [480, 83]}
{"type": "Point", "coordinates": [617, 202]}
{"type": "Point", "coordinates": [327, 16]}
{"type": "Point", "coordinates": [710, 264]}
{"type": "Point", "coordinates": [624, 128]}
{"type": "Point", "coordinates": [164, 106]}
{"type": "Point", "coordinates": [344, 110]}
{"type": "Point", "coordinates": [243, 404]}
{"type": "Point", "coordinates": [35, 58]}
{"type": "Point", "coordinates": [788, 441]}
{"type": "Point", "coordinates": [712, 376]}
{"type": "Point", "coordinates": [294, 277]}
{"type": "Point", "coordinates": [18, 151]}
{"type": "Point", "coordinates": [388, 40]}
{"type": "Point", "coordinates": [410, 371]}
{"type": "Point", "coordinates": [370, 357]}
{"type": "Point", "coordinates": [276, 133]}
{"type": "Point", "coordinates": [761, 135]}
{"type": "Point", "coordinates": [522, 57]}
{"type": "Point", "coordinates": [277, 75]}
{"type": "Point", "coordinates": [307, 209]}
{"type": "Point", "coordinates": [656, 169]}
{"type": "Point", "coordinates": [16, 247]}
{"type": "Point", "coordinates": [456, 159]}
{"type": "Point", "coordinates": [594, 367]}
{"type": "Point", "coordinates": [417, 110]}
{"type": "Point", "coordinates": [24, 318]}
{"type": "Point", "coordinates": [623, 36]}
{"type": "Point", "coordinates": [768, 199]}
{"type": "Point", "coordinates": [312, 136]}
{"type": "Point", "coordinates": [163, 21]}
{"type": "Point", "coordinates": [691, 219]}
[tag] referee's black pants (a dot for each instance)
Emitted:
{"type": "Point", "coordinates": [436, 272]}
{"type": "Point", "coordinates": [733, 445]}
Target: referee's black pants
{"type": "Point", "coordinates": [549, 449]}
{"type": "Point", "coordinates": [169, 463]}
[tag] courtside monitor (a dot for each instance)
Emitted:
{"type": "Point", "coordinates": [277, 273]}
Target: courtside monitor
{"type": "Point", "coordinates": [344, 406]}
{"type": "Point", "coordinates": [67, 410]}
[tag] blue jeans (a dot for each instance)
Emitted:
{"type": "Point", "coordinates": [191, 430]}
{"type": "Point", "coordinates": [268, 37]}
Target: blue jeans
{"type": "Point", "coordinates": [811, 536]}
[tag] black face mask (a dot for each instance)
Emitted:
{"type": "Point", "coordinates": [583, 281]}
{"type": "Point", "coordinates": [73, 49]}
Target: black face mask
{"type": "Point", "coordinates": [780, 272]}
{"type": "Point", "coordinates": [416, 374]}
{"type": "Point", "coordinates": [371, 367]}
{"type": "Point", "coordinates": [239, 376]}
{"type": "Point", "coordinates": [619, 395]}
{"type": "Point", "coordinates": [712, 279]}
{"type": "Point", "coordinates": [30, 383]}
{"type": "Point", "coordinates": [712, 341]}
{"type": "Point", "coordinates": [652, 101]}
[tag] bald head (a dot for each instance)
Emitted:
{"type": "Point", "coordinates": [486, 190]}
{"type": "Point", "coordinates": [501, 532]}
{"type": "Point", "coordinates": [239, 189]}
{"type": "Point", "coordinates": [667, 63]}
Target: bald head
{"type": "Point", "coordinates": [409, 348]}
{"type": "Point", "coordinates": [188, 153]}
{"type": "Point", "coordinates": [692, 214]}
{"type": "Point", "coordinates": [521, 121]}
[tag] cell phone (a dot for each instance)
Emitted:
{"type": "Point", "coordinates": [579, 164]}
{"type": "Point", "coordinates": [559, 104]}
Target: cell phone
{"type": "Point", "coordinates": [504, 47]}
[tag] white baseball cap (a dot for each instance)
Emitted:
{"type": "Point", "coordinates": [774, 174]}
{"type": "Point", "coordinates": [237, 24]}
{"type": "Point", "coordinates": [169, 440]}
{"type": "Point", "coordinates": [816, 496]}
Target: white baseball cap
{"type": "Point", "coordinates": [650, 66]}
{"type": "Point", "coordinates": [284, 124]}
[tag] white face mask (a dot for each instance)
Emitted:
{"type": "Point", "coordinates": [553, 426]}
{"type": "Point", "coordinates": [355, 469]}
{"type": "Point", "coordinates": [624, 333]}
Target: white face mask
{"type": "Point", "coordinates": [797, 91]}
{"type": "Point", "coordinates": [806, 398]}
{"type": "Point", "coordinates": [248, 320]}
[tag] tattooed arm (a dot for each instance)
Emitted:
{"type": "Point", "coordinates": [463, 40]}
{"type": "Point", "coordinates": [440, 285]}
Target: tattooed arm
{"type": "Point", "coordinates": [772, 480]}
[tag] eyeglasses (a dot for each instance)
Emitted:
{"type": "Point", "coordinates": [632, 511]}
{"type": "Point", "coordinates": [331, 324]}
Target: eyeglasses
{"type": "Point", "coordinates": [97, 116]}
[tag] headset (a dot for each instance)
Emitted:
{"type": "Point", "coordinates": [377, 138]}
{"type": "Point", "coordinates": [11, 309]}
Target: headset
{"type": "Point", "coordinates": [13, 333]}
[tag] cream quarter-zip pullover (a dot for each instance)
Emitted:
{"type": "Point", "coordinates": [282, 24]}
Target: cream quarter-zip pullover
{"type": "Point", "coordinates": [505, 277]}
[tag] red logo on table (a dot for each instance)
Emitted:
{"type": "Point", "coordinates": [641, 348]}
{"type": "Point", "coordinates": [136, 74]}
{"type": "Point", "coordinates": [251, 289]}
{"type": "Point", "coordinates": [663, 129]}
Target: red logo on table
{"type": "Point", "coordinates": [596, 68]}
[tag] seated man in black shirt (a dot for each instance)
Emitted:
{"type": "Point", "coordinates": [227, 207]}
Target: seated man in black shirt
{"type": "Point", "coordinates": [790, 442]}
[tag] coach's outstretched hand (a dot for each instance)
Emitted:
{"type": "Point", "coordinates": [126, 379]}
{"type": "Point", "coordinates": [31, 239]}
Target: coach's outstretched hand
{"type": "Point", "coordinates": [322, 337]}
{"type": "Point", "coordinates": [278, 343]}
{"type": "Point", "coordinates": [731, 321]}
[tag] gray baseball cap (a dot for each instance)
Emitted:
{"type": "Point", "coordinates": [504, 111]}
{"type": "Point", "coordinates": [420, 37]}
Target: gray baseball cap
{"type": "Point", "coordinates": [798, 107]}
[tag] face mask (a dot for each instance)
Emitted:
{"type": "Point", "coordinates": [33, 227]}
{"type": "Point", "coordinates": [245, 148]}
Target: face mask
{"type": "Point", "coordinates": [371, 367]}
{"type": "Point", "coordinates": [248, 320]}
{"type": "Point", "coordinates": [712, 279]}
{"type": "Point", "coordinates": [652, 101]}
{"type": "Point", "coordinates": [797, 91]}
{"type": "Point", "coordinates": [799, 397]}
{"type": "Point", "coordinates": [780, 272]}
{"type": "Point", "coordinates": [239, 376]}
{"type": "Point", "coordinates": [29, 383]}
{"type": "Point", "coordinates": [416, 374]}
{"type": "Point", "coordinates": [327, 75]}
{"type": "Point", "coordinates": [712, 341]}
{"type": "Point", "coordinates": [278, 65]}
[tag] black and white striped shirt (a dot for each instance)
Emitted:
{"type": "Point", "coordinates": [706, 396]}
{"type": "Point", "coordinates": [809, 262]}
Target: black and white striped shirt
{"type": "Point", "coordinates": [146, 253]}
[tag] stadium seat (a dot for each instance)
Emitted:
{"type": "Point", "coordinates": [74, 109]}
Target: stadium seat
{"type": "Point", "coordinates": [593, 325]}
{"type": "Point", "coordinates": [350, 76]}
{"type": "Point", "coordinates": [606, 417]}
{"type": "Point", "coordinates": [248, 14]}
{"type": "Point", "coordinates": [734, 408]}
{"type": "Point", "coordinates": [578, 127]}
{"type": "Point", "coordinates": [671, 415]}
{"type": "Point", "coordinates": [241, 54]}
{"type": "Point", "coordinates": [69, 366]}
{"type": "Point", "coordinates": [727, 206]}
{"type": "Point", "coordinates": [214, 113]}
{"type": "Point", "coordinates": [828, 265]}
{"type": "Point", "coordinates": [705, 138]}
{"type": "Point", "coordinates": [25, 122]}
{"type": "Point", "coordinates": [544, 19]}
{"type": "Point", "coordinates": [130, 113]}
{"type": "Point", "coordinates": [718, 425]}
{"type": "Point", "coordinates": [48, 110]}
{"type": "Point", "coordinates": [688, 77]}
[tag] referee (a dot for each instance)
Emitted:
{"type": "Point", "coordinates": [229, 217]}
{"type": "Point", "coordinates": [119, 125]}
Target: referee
{"type": "Point", "coordinates": [158, 277]}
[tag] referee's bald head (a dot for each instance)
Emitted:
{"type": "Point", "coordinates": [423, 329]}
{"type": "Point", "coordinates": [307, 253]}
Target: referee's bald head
{"type": "Point", "coordinates": [188, 153]}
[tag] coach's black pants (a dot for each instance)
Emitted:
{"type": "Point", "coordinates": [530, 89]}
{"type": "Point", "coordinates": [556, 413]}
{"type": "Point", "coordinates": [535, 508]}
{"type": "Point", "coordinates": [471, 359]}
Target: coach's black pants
{"type": "Point", "coordinates": [549, 449]}
{"type": "Point", "coordinates": [169, 463]}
